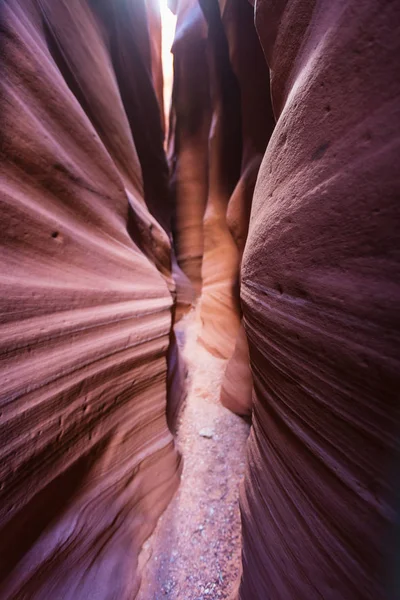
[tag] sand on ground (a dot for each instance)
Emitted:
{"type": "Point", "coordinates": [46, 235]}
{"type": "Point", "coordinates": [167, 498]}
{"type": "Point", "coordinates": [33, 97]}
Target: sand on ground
{"type": "Point", "coordinates": [194, 553]}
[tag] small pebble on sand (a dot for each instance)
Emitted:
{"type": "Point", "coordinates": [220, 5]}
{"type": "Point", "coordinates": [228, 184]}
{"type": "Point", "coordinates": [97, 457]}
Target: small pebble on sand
{"type": "Point", "coordinates": [207, 432]}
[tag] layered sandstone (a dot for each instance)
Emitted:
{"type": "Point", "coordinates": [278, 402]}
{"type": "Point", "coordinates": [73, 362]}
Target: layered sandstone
{"type": "Point", "coordinates": [87, 300]}
{"type": "Point", "coordinates": [221, 122]}
{"type": "Point", "coordinates": [257, 120]}
{"type": "Point", "coordinates": [92, 379]}
{"type": "Point", "coordinates": [320, 294]}
{"type": "Point", "coordinates": [188, 138]}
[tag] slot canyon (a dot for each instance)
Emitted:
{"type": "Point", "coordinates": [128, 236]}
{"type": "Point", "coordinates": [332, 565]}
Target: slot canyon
{"type": "Point", "coordinates": [200, 300]}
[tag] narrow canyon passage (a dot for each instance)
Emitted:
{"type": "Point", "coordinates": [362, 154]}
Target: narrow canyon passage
{"type": "Point", "coordinates": [181, 251]}
{"type": "Point", "coordinates": [195, 551]}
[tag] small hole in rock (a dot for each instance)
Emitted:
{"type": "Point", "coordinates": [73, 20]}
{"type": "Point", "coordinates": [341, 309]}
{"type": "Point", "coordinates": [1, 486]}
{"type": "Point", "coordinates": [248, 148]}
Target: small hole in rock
{"type": "Point", "coordinates": [55, 234]}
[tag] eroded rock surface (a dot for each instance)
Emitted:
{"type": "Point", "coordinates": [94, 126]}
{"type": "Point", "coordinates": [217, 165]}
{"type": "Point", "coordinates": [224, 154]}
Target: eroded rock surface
{"type": "Point", "coordinates": [87, 460]}
{"type": "Point", "coordinates": [320, 293]}
{"type": "Point", "coordinates": [221, 121]}
{"type": "Point", "coordinates": [91, 289]}
{"type": "Point", "coordinates": [188, 143]}
{"type": "Point", "coordinates": [257, 120]}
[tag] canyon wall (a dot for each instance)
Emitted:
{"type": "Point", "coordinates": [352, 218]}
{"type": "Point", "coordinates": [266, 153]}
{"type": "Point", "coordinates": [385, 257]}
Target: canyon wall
{"type": "Point", "coordinates": [88, 299]}
{"type": "Point", "coordinates": [320, 289]}
{"type": "Point", "coordinates": [251, 70]}
{"type": "Point", "coordinates": [319, 281]}
{"type": "Point", "coordinates": [92, 380]}
{"type": "Point", "coordinates": [188, 136]}
{"type": "Point", "coordinates": [221, 121]}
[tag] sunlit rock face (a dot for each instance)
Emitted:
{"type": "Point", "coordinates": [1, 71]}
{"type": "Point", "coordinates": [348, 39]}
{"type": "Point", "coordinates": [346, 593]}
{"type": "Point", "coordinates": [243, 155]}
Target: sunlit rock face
{"type": "Point", "coordinates": [92, 380]}
{"type": "Point", "coordinates": [221, 121]}
{"type": "Point", "coordinates": [189, 129]}
{"type": "Point", "coordinates": [257, 122]}
{"type": "Point", "coordinates": [320, 294]}
{"type": "Point", "coordinates": [87, 300]}
{"type": "Point", "coordinates": [219, 304]}
{"type": "Point", "coordinates": [153, 15]}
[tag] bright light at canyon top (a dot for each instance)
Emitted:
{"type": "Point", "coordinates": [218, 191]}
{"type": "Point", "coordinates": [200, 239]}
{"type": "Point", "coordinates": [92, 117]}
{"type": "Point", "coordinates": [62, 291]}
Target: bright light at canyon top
{"type": "Point", "coordinates": [168, 21]}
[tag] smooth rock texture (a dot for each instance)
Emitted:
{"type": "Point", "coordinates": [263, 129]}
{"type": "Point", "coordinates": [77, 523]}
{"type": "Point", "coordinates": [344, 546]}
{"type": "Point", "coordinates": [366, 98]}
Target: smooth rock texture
{"type": "Point", "coordinates": [153, 16]}
{"type": "Point", "coordinates": [91, 288]}
{"type": "Point", "coordinates": [251, 70]}
{"type": "Point", "coordinates": [219, 306]}
{"type": "Point", "coordinates": [88, 462]}
{"type": "Point", "coordinates": [219, 131]}
{"type": "Point", "coordinates": [188, 136]}
{"type": "Point", "coordinates": [237, 385]}
{"type": "Point", "coordinates": [320, 291]}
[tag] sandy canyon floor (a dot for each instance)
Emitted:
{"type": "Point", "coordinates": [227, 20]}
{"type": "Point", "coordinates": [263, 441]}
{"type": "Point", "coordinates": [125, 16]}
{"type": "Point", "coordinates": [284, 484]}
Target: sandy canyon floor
{"type": "Point", "coordinates": [194, 553]}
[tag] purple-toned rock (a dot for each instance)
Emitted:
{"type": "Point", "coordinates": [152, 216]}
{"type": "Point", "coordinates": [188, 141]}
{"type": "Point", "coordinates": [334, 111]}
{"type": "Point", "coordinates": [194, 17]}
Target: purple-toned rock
{"type": "Point", "coordinates": [320, 291]}
{"type": "Point", "coordinates": [88, 462]}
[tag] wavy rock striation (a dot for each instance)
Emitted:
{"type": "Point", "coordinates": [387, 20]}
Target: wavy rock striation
{"type": "Point", "coordinates": [219, 306]}
{"type": "Point", "coordinates": [320, 294]}
{"type": "Point", "coordinates": [92, 379]}
{"type": "Point", "coordinates": [87, 300]}
{"type": "Point", "coordinates": [188, 140]}
{"type": "Point", "coordinates": [251, 70]}
{"type": "Point", "coordinates": [221, 121]}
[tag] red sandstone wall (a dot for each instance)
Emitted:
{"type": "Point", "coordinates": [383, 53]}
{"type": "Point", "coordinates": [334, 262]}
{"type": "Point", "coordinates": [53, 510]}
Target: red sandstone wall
{"type": "Point", "coordinates": [320, 294]}
{"type": "Point", "coordinates": [91, 288]}
{"type": "Point", "coordinates": [221, 121]}
{"type": "Point", "coordinates": [88, 462]}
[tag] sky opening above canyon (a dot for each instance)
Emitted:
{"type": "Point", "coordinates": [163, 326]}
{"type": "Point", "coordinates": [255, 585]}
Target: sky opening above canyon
{"type": "Point", "coordinates": [168, 20]}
